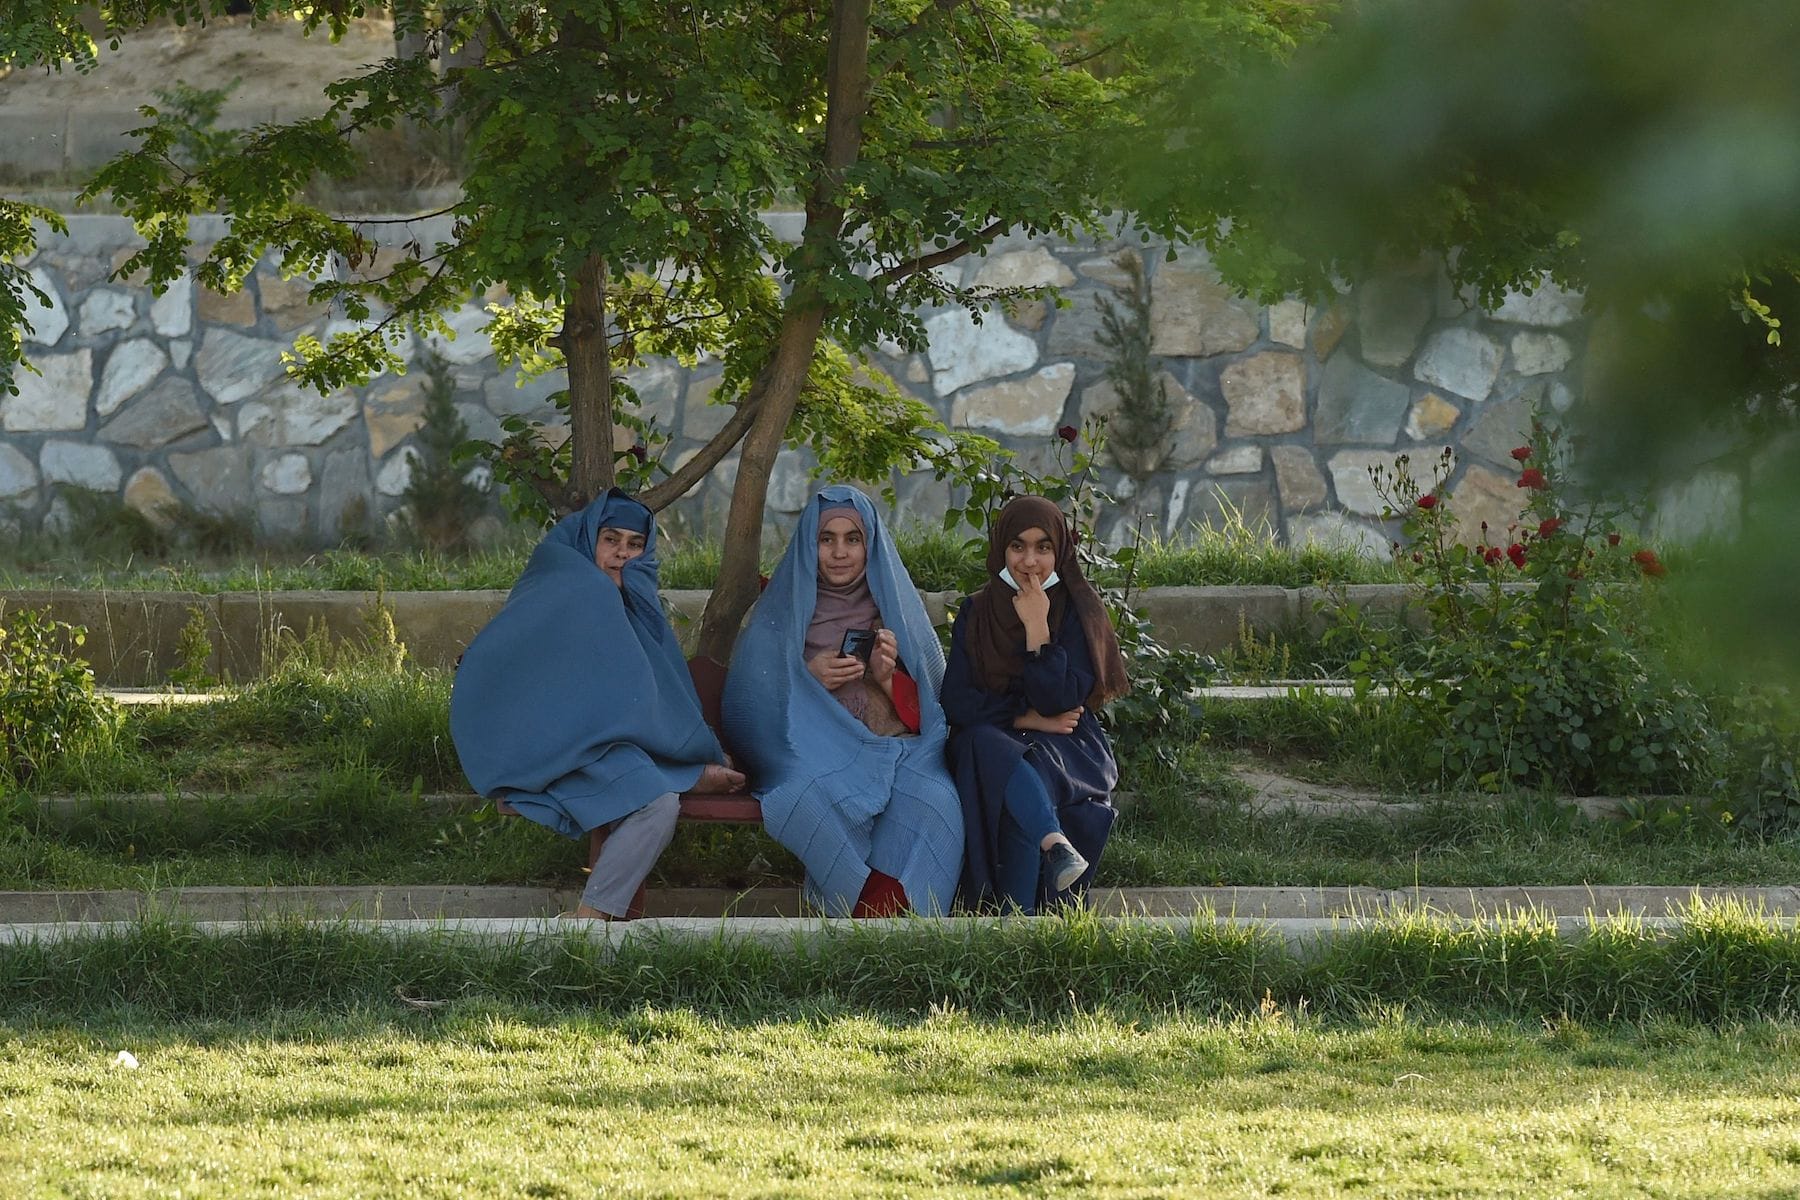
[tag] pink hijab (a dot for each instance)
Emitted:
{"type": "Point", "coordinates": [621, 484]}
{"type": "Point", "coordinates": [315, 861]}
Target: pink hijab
{"type": "Point", "coordinates": [838, 609]}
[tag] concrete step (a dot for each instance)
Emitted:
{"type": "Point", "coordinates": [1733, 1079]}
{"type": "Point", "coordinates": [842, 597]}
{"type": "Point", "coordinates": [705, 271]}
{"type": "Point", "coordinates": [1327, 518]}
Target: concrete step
{"type": "Point", "coordinates": [1303, 935]}
{"type": "Point", "coordinates": [459, 903]}
{"type": "Point", "coordinates": [136, 696]}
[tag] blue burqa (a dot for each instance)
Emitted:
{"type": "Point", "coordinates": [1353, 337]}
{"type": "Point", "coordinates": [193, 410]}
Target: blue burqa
{"type": "Point", "coordinates": [840, 797]}
{"type": "Point", "coordinates": [574, 704]}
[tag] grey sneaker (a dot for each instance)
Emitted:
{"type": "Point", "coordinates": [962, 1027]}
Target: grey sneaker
{"type": "Point", "coordinates": [1063, 866]}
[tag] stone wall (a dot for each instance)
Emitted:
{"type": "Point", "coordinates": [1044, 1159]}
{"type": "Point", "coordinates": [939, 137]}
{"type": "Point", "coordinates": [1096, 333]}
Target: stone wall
{"type": "Point", "coordinates": [1278, 411]}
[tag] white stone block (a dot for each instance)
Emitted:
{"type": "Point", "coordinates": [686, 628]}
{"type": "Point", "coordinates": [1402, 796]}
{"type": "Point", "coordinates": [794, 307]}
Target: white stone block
{"type": "Point", "coordinates": [1463, 361]}
{"type": "Point", "coordinates": [47, 324]}
{"type": "Point", "coordinates": [289, 475]}
{"type": "Point", "coordinates": [963, 352]}
{"type": "Point", "coordinates": [55, 398]}
{"type": "Point", "coordinates": [234, 366]}
{"type": "Point", "coordinates": [1035, 267]}
{"type": "Point", "coordinates": [130, 368]}
{"type": "Point", "coordinates": [396, 472]}
{"type": "Point", "coordinates": [107, 309]}
{"type": "Point", "coordinates": [1539, 353]}
{"type": "Point", "coordinates": [18, 476]}
{"type": "Point", "coordinates": [82, 464]}
{"type": "Point", "coordinates": [172, 313]}
{"type": "Point", "coordinates": [1350, 476]}
{"type": "Point", "coordinates": [1287, 323]}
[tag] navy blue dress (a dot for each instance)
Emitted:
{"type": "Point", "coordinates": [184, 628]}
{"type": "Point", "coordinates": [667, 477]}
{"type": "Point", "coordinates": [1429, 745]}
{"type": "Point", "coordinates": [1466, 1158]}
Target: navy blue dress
{"type": "Point", "coordinates": [1077, 768]}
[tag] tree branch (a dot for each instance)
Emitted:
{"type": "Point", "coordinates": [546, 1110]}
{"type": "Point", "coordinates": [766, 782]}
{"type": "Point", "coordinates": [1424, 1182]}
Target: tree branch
{"type": "Point", "coordinates": [683, 479]}
{"type": "Point", "coordinates": [560, 498]}
{"type": "Point", "coordinates": [938, 258]}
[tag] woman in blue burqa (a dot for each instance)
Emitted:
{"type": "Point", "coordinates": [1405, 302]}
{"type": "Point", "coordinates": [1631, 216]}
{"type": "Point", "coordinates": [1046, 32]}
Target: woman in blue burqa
{"type": "Point", "coordinates": [831, 703]}
{"type": "Point", "coordinates": [1033, 657]}
{"type": "Point", "coordinates": [574, 706]}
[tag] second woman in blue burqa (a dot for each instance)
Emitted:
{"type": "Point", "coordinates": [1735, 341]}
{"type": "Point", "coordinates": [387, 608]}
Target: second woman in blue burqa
{"type": "Point", "coordinates": [845, 753]}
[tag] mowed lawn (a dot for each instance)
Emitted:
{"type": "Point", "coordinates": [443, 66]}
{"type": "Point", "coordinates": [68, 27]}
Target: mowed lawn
{"type": "Point", "coordinates": [477, 1100]}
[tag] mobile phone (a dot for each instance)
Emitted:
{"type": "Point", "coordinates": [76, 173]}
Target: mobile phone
{"type": "Point", "coordinates": [1006, 577]}
{"type": "Point", "coordinates": [858, 643]}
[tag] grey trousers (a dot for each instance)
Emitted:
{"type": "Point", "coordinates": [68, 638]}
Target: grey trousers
{"type": "Point", "coordinates": [631, 848]}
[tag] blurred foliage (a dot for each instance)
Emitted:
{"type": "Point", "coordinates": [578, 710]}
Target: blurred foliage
{"type": "Point", "coordinates": [1641, 150]}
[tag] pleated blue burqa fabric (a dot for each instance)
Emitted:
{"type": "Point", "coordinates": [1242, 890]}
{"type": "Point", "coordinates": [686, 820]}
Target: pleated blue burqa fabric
{"type": "Point", "coordinates": [574, 704]}
{"type": "Point", "coordinates": [843, 799]}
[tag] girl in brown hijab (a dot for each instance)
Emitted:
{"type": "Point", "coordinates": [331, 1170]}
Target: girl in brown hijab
{"type": "Point", "coordinates": [1033, 657]}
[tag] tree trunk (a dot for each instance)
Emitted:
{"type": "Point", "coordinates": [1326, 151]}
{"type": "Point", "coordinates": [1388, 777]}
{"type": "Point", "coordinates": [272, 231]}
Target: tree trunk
{"type": "Point", "coordinates": [589, 362]}
{"type": "Point", "coordinates": [736, 588]}
{"type": "Point", "coordinates": [846, 84]}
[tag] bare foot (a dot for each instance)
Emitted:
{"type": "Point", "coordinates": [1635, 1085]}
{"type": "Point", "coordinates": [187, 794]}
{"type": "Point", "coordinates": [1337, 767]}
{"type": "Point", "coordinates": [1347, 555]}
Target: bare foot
{"type": "Point", "coordinates": [505, 809]}
{"type": "Point", "coordinates": [714, 778]}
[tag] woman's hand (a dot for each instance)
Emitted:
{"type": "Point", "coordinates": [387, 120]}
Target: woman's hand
{"type": "Point", "coordinates": [1032, 604]}
{"type": "Point", "coordinates": [833, 671]}
{"type": "Point", "coordinates": [1063, 722]}
{"type": "Point", "coordinates": [884, 659]}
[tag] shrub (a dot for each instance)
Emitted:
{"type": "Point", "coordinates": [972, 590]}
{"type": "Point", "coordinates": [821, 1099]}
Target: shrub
{"type": "Point", "coordinates": [48, 705]}
{"type": "Point", "coordinates": [1557, 683]}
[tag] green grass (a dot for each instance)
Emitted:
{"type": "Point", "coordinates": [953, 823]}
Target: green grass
{"type": "Point", "coordinates": [323, 766]}
{"type": "Point", "coordinates": [485, 1101]}
{"type": "Point", "coordinates": [1190, 826]}
{"type": "Point", "coordinates": [937, 561]}
{"type": "Point", "coordinates": [1722, 962]}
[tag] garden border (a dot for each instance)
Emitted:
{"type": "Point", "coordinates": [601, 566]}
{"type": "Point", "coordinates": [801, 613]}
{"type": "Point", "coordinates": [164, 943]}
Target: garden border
{"type": "Point", "coordinates": [134, 637]}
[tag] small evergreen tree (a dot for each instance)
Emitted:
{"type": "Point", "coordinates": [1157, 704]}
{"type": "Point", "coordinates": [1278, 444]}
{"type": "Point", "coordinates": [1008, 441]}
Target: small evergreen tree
{"type": "Point", "coordinates": [1137, 432]}
{"type": "Point", "coordinates": [440, 502]}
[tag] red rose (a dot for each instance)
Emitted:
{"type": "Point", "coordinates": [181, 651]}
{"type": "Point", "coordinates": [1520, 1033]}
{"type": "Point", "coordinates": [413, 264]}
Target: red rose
{"type": "Point", "coordinates": [1649, 563]}
{"type": "Point", "coordinates": [1417, 557]}
{"type": "Point", "coordinates": [1491, 555]}
{"type": "Point", "coordinates": [1612, 539]}
{"type": "Point", "coordinates": [1546, 528]}
{"type": "Point", "coordinates": [1428, 501]}
{"type": "Point", "coordinates": [1068, 433]}
{"type": "Point", "coordinates": [1531, 477]}
{"type": "Point", "coordinates": [638, 452]}
{"type": "Point", "coordinates": [1516, 552]}
{"type": "Point", "coordinates": [1521, 453]}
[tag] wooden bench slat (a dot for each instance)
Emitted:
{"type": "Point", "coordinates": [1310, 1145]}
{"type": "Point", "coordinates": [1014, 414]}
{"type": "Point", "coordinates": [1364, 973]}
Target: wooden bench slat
{"type": "Point", "coordinates": [734, 807]}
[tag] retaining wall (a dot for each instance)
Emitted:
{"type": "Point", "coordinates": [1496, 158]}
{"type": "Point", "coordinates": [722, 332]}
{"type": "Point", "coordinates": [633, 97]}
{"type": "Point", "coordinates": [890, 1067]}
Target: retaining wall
{"type": "Point", "coordinates": [134, 637]}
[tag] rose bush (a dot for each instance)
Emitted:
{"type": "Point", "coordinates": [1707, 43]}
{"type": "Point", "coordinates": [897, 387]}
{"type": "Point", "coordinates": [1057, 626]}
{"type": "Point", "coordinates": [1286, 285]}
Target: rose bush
{"type": "Point", "coordinates": [1541, 670]}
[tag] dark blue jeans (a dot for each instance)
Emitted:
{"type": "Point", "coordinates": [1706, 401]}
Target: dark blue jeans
{"type": "Point", "coordinates": [1026, 818]}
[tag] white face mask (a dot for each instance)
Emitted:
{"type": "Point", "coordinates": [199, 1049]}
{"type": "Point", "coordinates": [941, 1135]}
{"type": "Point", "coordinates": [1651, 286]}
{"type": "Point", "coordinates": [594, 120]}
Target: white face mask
{"type": "Point", "coordinates": [1006, 577]}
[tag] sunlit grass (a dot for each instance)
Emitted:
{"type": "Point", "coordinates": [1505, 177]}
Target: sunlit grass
{"type": "Point", "coordinates": [480, 1101]}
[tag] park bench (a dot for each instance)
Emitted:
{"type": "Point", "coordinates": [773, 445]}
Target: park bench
{"type": "Point", "coordinates": [727, 808]}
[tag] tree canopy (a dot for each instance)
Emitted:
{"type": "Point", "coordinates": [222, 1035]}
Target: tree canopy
{"type": "Point", "coordinates": [1644, 151]}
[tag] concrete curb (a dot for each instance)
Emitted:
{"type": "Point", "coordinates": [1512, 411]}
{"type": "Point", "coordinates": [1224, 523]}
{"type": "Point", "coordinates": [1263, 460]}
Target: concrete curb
{"type": "Point", "coordinates": [1301, 934]}
{"type": "Point", "coordinates": [390, 904]}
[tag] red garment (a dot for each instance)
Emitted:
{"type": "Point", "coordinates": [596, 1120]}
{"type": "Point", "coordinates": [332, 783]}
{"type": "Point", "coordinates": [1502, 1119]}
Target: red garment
{"type": "Point", "coordinates": [906, 701]}
{"type": "Point", "coordinates": [882, 896]}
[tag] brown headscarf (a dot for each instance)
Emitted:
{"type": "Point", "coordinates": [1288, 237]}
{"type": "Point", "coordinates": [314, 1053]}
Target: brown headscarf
{"type": "Point", "coordinates": [996, 635]}
{"type": "Point", "coordinates": [851, 606]}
